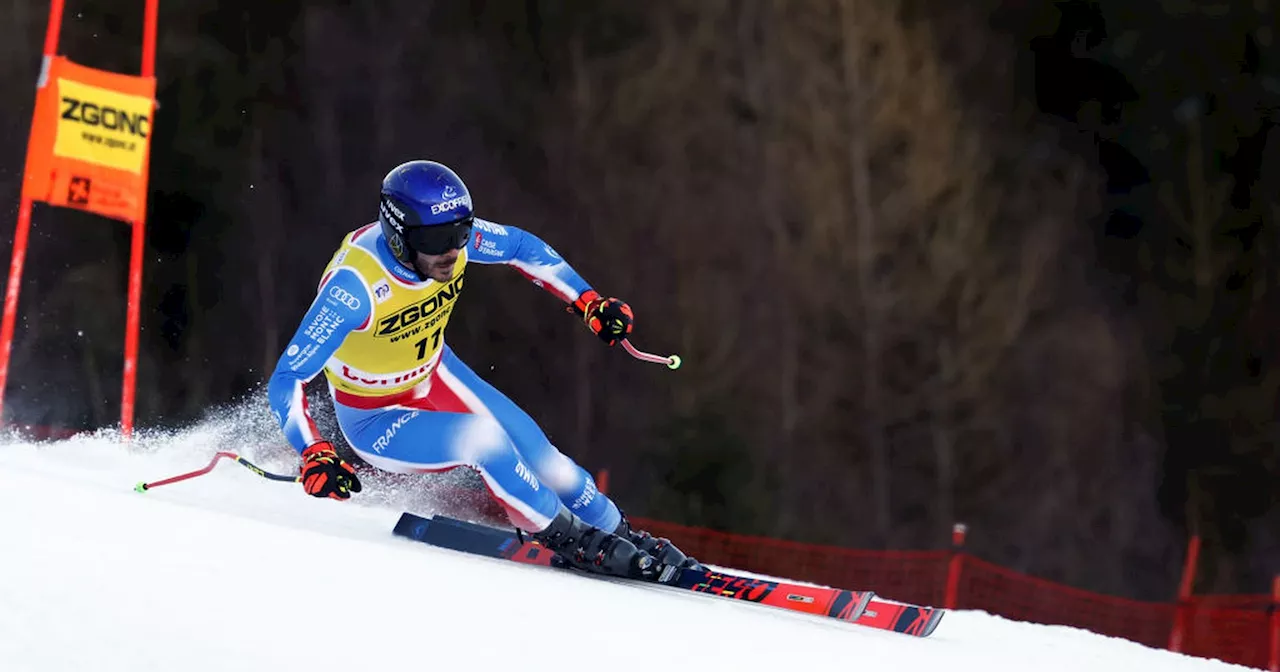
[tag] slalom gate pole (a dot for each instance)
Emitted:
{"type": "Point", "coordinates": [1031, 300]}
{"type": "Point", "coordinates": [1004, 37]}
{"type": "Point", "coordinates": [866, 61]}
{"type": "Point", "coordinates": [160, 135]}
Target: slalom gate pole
{"type": "Point", "coordinates": [143, 487]}
{"type": "Point", "coordinates": [673, 361]}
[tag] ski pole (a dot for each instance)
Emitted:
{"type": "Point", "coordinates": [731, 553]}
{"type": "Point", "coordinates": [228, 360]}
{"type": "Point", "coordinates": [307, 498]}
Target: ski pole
{"type": "Point", "coordinates": [673, 361]}
{"type": "Point", "coordinates": [143, 487]}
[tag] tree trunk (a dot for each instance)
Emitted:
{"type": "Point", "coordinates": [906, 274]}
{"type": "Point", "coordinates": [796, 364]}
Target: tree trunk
{"type": "Point", "coordinates": [868, 286]}
{"type": "Point", "coordinates": [756, 42]}
{"type": "Point", "coordinates": [942, 432]}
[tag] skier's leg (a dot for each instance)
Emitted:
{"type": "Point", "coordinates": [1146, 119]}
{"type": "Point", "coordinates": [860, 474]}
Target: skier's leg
{"type": "Point", "coordinates": [467, 391]}
{"type": "Point", "coordinates": [571, 483]}
{"type": "Point", "coordinates": [410, 440]}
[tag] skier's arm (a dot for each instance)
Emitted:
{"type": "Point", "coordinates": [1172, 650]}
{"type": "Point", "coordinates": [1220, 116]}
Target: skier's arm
{"type": "Point", "coordinates": [342, 305]}
{"type": "Point", "coordinates": [608, 318]}
{"type": "Point", "coordinates": [501, 244]}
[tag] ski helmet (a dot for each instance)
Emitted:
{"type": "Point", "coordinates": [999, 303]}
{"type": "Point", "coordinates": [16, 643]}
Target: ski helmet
{"type": "Point", "coordinates": [424, 208]}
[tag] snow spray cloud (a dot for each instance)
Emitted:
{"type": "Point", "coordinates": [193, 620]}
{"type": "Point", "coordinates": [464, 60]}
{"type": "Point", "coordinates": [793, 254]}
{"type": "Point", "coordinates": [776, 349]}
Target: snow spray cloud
{"type": "Point", "coordinates": [245, 427]}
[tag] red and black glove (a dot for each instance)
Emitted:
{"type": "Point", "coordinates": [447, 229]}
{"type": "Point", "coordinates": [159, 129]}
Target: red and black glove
{"type": "Point", "coordinates": [611, 319]}
{"type": "Point", "coordinates": [324, 474]}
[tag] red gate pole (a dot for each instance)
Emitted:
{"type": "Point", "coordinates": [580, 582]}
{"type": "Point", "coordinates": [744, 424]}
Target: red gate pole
{"type": "Point", "coordinates": [954, 565]}
{"type": "Point", "coordinates": [21, 233]}
{"type": "Point", "coordinates": [137, 246]}
{"type": "Point", "coordinates": [1275, 624]}
{"type": "Point", "coordinates": [1184, 594]}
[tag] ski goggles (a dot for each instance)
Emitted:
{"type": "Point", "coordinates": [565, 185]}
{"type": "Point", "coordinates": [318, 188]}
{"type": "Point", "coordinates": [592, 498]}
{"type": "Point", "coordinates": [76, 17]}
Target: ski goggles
{"type": "Point", "coordinates": [439, 238]}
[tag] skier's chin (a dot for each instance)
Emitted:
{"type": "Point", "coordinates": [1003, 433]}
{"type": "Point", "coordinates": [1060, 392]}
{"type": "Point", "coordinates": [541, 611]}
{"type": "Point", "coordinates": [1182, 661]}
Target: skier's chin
{"type": "Point", "coordinates": [441, 273]}
{"type": "Point", "coordinates": [436, 267]}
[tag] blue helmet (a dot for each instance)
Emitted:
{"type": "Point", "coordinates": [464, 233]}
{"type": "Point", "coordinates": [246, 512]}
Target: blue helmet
{"type": "Point", "coordinates": [424, 208]}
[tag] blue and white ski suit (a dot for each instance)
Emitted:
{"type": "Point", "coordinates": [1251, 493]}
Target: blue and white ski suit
{"type": "Point", "coordinates": [404, 401]}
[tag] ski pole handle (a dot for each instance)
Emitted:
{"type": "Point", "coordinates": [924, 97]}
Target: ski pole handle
{"type": "Point", "coordinates": [143, 487]}
{"type": "Point", "coordinates": [673, 361]}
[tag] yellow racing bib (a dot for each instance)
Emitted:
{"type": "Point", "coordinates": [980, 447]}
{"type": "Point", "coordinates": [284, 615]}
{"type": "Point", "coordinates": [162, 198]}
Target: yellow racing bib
{"type": "Point", "coordinates": [400, 344]}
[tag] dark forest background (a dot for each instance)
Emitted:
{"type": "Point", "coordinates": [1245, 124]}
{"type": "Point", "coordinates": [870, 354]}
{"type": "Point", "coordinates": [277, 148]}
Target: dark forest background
{"type": "Point", "coordinates": [1009, 263]}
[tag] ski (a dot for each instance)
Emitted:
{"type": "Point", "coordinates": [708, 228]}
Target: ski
{"type": "Point", "coordinates": [845, 605]}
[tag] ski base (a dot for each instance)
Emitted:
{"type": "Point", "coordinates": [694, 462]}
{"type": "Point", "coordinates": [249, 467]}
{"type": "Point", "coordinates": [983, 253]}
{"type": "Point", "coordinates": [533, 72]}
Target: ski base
{"type": "Point", "coordinates": [854, 606]}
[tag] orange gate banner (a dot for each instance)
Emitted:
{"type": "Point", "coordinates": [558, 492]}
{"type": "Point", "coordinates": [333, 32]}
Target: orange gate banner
{"type": "Point", "coordinates": [90, 141]}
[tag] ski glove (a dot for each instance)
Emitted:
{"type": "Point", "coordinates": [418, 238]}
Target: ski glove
{"type": "Point", "coordinates": [611, 319]}
{"type": "Point", "coordinates": [324, 474]}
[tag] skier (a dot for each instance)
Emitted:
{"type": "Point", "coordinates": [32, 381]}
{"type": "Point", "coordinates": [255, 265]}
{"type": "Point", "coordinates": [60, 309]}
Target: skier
{"type": "Point", "coordinates": [406, 403]}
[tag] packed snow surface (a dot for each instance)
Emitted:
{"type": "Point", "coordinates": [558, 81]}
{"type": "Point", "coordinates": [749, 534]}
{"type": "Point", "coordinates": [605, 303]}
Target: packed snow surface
{"type": "Point", "coordinates": [230, 571]}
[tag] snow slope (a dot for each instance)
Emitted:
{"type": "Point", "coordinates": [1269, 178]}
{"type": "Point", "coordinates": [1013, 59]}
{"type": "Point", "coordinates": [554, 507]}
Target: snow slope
{"type": "Point", "coordinates": [233, 572]}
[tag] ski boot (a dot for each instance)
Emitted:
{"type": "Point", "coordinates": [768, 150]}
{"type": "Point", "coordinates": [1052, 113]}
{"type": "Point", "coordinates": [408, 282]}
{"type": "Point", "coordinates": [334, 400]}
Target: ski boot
{"type": "Point", "coordinates": [591, 549]}
{"type": "Point", "coordinates": [660, 548]}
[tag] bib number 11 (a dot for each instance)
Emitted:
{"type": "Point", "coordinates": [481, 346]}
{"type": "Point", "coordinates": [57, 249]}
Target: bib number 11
{"type": "Point", "coordinates": [421, 345]}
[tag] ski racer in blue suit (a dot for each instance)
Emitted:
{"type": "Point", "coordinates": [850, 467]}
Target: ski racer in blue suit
{"type": "Point", "coordinates": [406, 403]}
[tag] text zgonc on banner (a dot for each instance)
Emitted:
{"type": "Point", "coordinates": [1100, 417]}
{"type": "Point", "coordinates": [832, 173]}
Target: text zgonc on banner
{"type": "Point", "coordinates": [90, 141]}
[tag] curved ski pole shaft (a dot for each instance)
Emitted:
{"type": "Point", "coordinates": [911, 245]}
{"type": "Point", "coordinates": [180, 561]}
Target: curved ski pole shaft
{"type": "Point", "coordinates": [267, 474]}
{"type": "Point", "coordinates": [143, 487]}
{"type": "Point", "coordinates": [673, 361]}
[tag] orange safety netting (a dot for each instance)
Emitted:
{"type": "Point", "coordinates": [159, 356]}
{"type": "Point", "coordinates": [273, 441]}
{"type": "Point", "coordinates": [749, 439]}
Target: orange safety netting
{"type": "Point", "coordinates": [1002, 591]}
{"type": "Point", "coordinates": [910, 576]}
{"type": "Point", "coordinates": [1236, 629]}
{"type": "Point", "coordinates": [1232, 628]}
